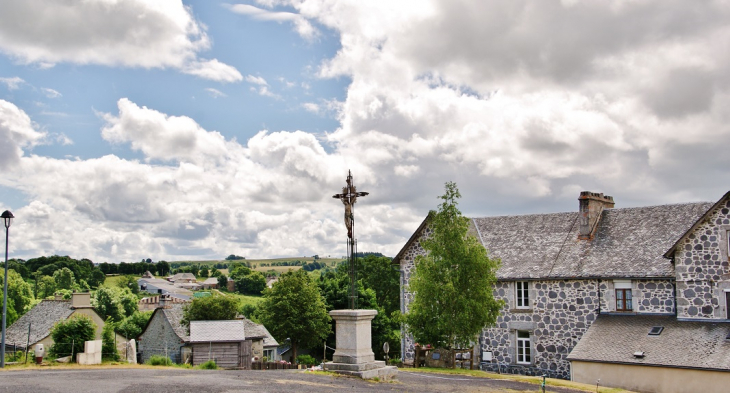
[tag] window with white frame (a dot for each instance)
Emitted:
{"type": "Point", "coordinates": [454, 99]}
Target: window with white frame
{"type": "Point", "coordinates": [522, 294]}
{"type": "Point", "coordinates": [624, 298]}
{"type": "Point", "coordinates": [523, 347]}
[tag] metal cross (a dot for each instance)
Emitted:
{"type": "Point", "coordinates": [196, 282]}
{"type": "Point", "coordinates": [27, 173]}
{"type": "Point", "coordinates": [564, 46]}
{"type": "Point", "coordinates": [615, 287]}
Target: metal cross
{"type": "Point", "coordinates": [349, 197]}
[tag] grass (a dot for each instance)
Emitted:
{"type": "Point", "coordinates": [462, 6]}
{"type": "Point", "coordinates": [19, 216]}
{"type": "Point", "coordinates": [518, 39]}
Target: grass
{"type": "Point", "coordinates": [244, 299]}
{"type": "Point", "coordinates": [520, 378]}
{"type": "Point", "coordinates": [111, 281]}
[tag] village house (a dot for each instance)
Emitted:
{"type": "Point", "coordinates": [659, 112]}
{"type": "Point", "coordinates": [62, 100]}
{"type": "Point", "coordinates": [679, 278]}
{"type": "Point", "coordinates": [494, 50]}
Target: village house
{"type": "Point", "coordinates": [153, 302]}
{"type": "Point", "coordinates": [35, 326]}
{"type": "Point", "coordinates": [606, 293]}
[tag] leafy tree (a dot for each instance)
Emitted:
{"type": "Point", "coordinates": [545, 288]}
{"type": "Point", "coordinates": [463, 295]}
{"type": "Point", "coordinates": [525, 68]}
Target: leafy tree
{"type": "Point", "coordinates": [210, 308]}
{"type": "Point", "coordinates": [46, 287]}
{"type": "Point", "coordinates": [294, 309]}
{"type": "Point", "coordinates": [75, 330]}
{"type": "Point", "coordinates": [20, 296]}
{"type": "Point", "coordinates": [64, 278]}
{"type": "Point", "coordinates": [204, 272]}
{"type": "Point", "coordinates": [128, 301]}
{"type": "Point", "coordinates": [107, 304]}
{"type": "Point", "coordinates": [378, 274]}
{"type": "Point", "coordinates": [222, 282]}
{"type": "Point", "coordinates": [251, 284]}
{"type": "Point", "coordinates": [163, 268]}
{"type": "Point", "coordinates": [128, 282]}
{"type": "Point", "coordinates": [108, 349]}
{"type": "Point", "coordinates": [97, 278]}
{"type": "Point", "coordinates": [451, 285]}
{"type": "Point", "coordinates": [132, 326]}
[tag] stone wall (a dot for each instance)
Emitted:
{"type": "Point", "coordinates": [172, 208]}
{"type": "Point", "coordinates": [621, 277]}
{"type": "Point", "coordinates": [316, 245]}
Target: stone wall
{"type": "Point", "coordinates": [159, 339]}
{"type": "Point", "coordinates": [407, 265]}
{"type": "Point", "coordinates": [701, 264]}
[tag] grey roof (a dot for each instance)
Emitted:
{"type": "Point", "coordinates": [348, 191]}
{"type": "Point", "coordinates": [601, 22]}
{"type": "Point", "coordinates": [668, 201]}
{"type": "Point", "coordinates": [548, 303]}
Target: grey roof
{"type": "Point", "coordinates": [204, 331]}
{"type": "Point", "coordinates": [41, 318]}
{"type": "Point", "coordinates": [211, 280]}
{"type": "Point", "coordinates": [724, 201]}
{"type": "Point", "coordinates": [255, 330]}
{"type": "Point", "coordinates": [174, 315]}
{"type": "Point", "coordinates": [684, 344]}
{"type": "Point", "coordinates": [629, 242]}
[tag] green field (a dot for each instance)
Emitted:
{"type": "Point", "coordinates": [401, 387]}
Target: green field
{"type": "Point", "coordinates": [256, 263]}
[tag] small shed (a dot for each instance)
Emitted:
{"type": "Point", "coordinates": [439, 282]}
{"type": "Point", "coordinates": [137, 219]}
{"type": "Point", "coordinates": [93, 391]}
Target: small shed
{"type": "Point", "coordinates": [221, 341]}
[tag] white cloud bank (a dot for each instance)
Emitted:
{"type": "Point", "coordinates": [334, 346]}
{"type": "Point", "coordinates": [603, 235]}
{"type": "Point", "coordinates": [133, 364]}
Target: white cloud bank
{"type": "Point", "coordinates": [128, 33]}
{"type": "Point", "coordinates": [523, 104]}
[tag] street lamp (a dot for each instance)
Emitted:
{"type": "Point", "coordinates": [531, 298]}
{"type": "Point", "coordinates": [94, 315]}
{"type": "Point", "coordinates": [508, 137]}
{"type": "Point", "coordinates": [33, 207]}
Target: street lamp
{"type": "Point", "coordinates": [7, 219]}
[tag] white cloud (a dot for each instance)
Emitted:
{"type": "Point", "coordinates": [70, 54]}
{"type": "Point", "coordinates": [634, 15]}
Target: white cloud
{"type": "Point", "coordinates": [12, 83]}
{"type": "Point", "coordinates": [133, 33]}
{"type": "Point", "coordinates": [311, 107]}
{"type": "Point", "coordinates": [256, 80]}
{"type": "Point", "coordinates": [16, 132]}
{"type": "Point", "coordinates": [50, 93]}
{"type": "Point", "coordinates": [301, 25]}
{"type": "Point", "coordinates": [215, 93]}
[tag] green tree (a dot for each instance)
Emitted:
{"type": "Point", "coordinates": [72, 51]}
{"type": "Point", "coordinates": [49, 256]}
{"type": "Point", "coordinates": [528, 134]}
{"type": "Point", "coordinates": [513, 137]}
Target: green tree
{"type": "Point", "coordinates": [210, 308]}
{"type": "Point", "coordinates": [75, 330]}
{"type": "Point", "coordinates": [46, 287]}
{"type": "Point", "coordinates": [108, 349]}
{"type": "Point", "coordinates": [251, 284]}
{"type": "Point", "coordinates": [20, 296]}
{"type": "Point", "coordinates": [107, 304]}
{"type": "Point", "coordinates": [204, 272]}
{"type": "Point", "coordinates": [379, 274]}
{"type": "Point", "coordinates": [97, 278]}
{"type": "Point", "coordinates": [452, 284]}
{"type": "Point", "coordinates": [294, 309]}
{"type": "Point", "coordinates": [128, 282]}
{"type": "Point", "coordinates": [65, 278]}
{"type": "Point", "coordinates": [132, 326]}
{"type": "Point", "coordinates": [163, 268]}
{"type": "Point", "coordinates": [223, 282]}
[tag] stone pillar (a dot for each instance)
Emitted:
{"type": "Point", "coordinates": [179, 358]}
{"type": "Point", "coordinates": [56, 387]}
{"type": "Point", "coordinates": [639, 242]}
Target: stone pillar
{"type": "Point", "coordinates": [354, 354]}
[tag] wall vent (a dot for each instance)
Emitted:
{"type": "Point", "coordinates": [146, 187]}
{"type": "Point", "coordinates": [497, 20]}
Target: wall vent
{"type": "Point", "coordinates": [656, 330]}
{"type": "Point", "coordinates": [639, 354]}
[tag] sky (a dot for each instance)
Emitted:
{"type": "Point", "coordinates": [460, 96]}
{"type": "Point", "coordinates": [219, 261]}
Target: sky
{"type": "Point", "coordinates": [192, 130]}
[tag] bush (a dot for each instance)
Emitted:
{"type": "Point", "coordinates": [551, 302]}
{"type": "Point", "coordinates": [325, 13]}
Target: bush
{"type": "Point", "coordinates": [159, 360]}
{"type": "Point", "coordinates": [108, 349]}
{"type": "Point", "coordinates": [306, 360]}
{"type": "Point", "coordinates": [77, 330]}
{"type": "Point", "coordinates": [209, 365]}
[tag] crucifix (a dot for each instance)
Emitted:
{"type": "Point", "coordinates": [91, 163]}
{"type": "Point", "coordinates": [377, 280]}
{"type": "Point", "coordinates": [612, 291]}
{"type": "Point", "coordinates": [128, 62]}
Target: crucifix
{"type": "Point", "coordinates": [349, 197]}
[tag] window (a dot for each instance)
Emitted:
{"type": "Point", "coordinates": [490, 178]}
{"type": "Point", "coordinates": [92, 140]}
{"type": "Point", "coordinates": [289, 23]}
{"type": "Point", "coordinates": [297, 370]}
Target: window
{"type": "Point", "coordinates": [523, 347]}
{"type": "Point", "coordinates": [623, 300]}
{"type": "Point", "coordinates": [523, 297]}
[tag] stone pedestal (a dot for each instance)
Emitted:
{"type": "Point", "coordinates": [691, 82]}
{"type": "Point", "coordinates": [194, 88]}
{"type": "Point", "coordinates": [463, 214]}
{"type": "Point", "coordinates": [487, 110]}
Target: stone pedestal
{"type": "Point", "coordinates": [354, 354]}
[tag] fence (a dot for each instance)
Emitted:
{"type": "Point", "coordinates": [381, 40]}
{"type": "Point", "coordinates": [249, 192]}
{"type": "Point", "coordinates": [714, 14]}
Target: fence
{"type": "Point", "coordinates": [273, 366]}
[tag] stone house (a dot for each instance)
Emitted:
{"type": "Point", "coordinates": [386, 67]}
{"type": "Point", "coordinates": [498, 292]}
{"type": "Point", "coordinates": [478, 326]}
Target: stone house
{"type": "Point", "coordinates": [34, 327]}
{"type": "Point", "coordinates": [563, 272]}
{"type": "Point", "coordinates": [165, 335]}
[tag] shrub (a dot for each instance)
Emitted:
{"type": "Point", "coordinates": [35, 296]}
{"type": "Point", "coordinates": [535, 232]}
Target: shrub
{"type": "Point", "coordinates": [75, 330]}
{"type": "Point", "coordinates": [159, 360]}
{"type": "Point", "coordinates": [209, 365]}
{"type": "Point", "coordinates": [108, 349]}
{"type": "Point", "coordinates": [306, 360]}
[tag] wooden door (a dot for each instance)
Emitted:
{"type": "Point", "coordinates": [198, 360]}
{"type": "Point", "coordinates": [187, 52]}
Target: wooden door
{"type": "Point", "coordinates": [245, 353]}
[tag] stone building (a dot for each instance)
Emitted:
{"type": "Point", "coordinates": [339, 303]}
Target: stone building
{"type": "Point", "coordinates": [562, 272]}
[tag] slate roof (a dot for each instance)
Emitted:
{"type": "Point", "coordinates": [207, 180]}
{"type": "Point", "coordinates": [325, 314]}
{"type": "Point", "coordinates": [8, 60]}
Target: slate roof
{"type": "Point", "coordinates": [628, 243]}
{"type": "Point", "coordinates": [255, 330]}
{"type": "Point", "coordinates": [683, 344]}
{"type": "Point", "coordinates": [204, 331]}
{"type": "Point", "coordinates": [41, 318]}
{"type": "Point", "coordinates": [174, 314]}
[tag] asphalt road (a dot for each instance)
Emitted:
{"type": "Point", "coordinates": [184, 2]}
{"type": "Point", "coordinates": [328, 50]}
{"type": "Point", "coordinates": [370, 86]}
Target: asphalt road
{"type": "Point", "coordinates": [219, 381]}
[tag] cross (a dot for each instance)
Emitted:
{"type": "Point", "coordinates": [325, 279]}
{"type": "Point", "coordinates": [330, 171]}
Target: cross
{"type": "Point", "coordinates": [349, 197]}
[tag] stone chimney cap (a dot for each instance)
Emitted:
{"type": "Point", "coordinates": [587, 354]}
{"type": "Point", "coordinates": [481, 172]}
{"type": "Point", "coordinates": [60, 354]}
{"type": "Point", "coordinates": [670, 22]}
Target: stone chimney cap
{"type": "Point", "coordinates": [595, 195]}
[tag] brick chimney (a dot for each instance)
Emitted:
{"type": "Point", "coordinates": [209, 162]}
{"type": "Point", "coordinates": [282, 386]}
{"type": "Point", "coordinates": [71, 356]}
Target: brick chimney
{"type": "Point", "coordinates": [591, 205]}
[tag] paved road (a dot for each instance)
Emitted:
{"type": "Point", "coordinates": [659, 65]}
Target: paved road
{"type": "Point", "coordinates": [219, 381]}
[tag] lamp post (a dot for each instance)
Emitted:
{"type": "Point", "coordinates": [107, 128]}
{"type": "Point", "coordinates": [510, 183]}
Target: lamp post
{"type": "Point", "coordinates": [8, 219]}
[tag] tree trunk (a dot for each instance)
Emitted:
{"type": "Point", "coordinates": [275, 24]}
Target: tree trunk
{"type": "Point", "coordinates": [293, 352]}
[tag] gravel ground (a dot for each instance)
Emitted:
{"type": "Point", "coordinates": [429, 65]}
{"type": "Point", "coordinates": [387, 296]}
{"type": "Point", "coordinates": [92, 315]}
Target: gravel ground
{"type": "Point", "coordinates": [219, 381]}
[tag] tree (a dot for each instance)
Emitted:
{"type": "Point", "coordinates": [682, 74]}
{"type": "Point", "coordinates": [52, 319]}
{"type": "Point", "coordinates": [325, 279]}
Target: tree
{"type": "Point", "coordinates": [452, 284]}
{"type": "Point", "coordinates": [204, 272]}
{"type": "Point", "coordinates": [46, 287]}
{"type": "Point", "coordinates": [128, 282]}
{"type": "Point", "coordinates": [106, 304]}
{"type": "Point", "coordinates": [20, 296]}
{"type": "Point", "coordinates": [294, 309]}
{"type": "Point", "coordinates": [108, 349]}
{"type": "Point", "coordinates": [64, 278]}
{"type": "Point", "coordinates": [131, 326]}
{"type": "Point", "coordinates": [75, 330]}
{"type": "Point", "coordinates": [378, 274]}
{"type": "Point", "coordinates": [210, 308]}
{"type": "Point", "coordinates": [163, 268]}
{"type": "Point", "coordinates": [251, 284]}
{"type": "Point", "coordinates": [223, 282]}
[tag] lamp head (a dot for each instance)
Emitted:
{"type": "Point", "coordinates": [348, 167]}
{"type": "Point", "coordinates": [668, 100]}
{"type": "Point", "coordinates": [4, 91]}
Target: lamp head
{"type": "Point", "coordinates": [7, 218]}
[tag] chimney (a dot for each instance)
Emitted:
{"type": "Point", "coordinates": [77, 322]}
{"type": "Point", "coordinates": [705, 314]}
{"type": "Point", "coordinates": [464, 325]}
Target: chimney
{"type": "Point", "coordinates": [81, 300]}
{"type": "Point", "coordinates": [591, 205]}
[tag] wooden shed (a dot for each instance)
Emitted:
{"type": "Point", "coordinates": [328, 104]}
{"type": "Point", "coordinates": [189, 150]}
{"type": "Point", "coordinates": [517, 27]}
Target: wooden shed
{"type": "Point", "coordinates": [221, 341]}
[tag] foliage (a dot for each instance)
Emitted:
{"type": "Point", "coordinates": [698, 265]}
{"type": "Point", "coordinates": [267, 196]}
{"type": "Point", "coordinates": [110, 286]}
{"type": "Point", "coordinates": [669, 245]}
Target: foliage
{"type": "Point", "coordinates": [252, 283]}
{"type": "Point", "coordinates": [377, 273]}
{"type": "Point", "coordinates": [451, 285]}
{"type": "Point", "coordinates": [82, 269]}
{"type": "Point", "coordinates": [159, 360]}
{"type": "Point", "coordinates": [249, 311]}
{"type": "Point", "coordinates": [132, 326]}
{"type": "Point", "coordinates": [294, 309]}
{"type": "Point", "coordinates": [46, 287]}
{"type": "Point", "coordinates": [234, 258]}
{"type": "Point", "coordinates": [64, 278]}
{"type": "Point", "coordinates": [204, 272]}
{"type": "Point", "coordinates": [306, 360]}
{"type": "Point", "coordinates": [108, 349]}
{"type": "Point", "coordinates": [128, 282]}
{"type": "Point", "coordinates": [222, 282]}
{"type": "Point", "coordinates": [209, 365]}
{"type": "Point", "coordinates": [116, 303]}
{"type": "Point", "coordinates": [210, 308]}
{"type": "Point", "coordinates": [20, 295]}
{"type": "Point", "coordinates": [75, 330]}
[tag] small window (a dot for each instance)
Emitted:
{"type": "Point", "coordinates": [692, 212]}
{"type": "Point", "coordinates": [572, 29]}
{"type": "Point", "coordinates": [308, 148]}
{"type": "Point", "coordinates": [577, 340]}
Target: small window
{"type": "Point", "coordinates": [656, 330]}
{"type": "Point", "coordinates": [523, 347]}
{"type": "Point", "coordinates": [522, 295]}
{"type": "Point", "coordinates": [623, 300]}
